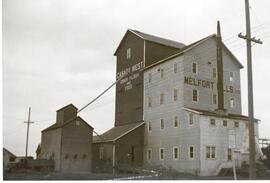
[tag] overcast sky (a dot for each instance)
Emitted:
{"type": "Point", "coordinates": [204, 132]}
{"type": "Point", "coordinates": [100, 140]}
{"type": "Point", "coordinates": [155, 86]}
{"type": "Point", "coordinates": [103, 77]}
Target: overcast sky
{"type": "Point", "coordinates": [57, 52]}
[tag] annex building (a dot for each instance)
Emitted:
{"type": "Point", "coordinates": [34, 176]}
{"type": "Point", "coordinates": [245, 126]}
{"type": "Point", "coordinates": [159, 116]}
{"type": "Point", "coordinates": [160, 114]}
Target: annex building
{"type": "Point", "coordinates": [177, 106]}
{"type": "Point", "coordinates": [68, 142]}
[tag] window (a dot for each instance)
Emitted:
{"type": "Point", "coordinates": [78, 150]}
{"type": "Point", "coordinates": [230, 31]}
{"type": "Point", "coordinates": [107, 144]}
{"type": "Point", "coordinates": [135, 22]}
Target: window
{"type": "Point", "coordinates": [161, 99]}
{"type": "Point", "coordinates": [229, 154]}
{"type": "Point", "coordinates": [212, 122]}
{"type": "Point", "coordinates": [232, 102]}
{"type": "Point", "coordinates": [191, 152]}
{"type": "Point", "coordinates": [84, 156]}
{"type": "Point", "coordinates": [225, 123]}
{"type": "Point", "coordinates": [128, 53]}
{"type": "Point", "coordinates": [175, 121]}
{"type": "Point", "coordinates": [231, 76]}
{"type": "Point", "coordinates": [149, 77]}
{"type": "Point", "coordinates": [149, 101]}
{"type": "Point", "coordinates": [194, 68]}
{"type": "Point", "coordinates": [214, 99]}
{"type": "Point", "coordinates": [149, 154]}
{"type": "Point", "coordinates": [161, 73]}
{"type": "Point", "coordinates": [210, 152]}
{"type": "Point", "coordinates": [236, 124]}
{"type": "Point", "coordinates": [162, 124]}
{"type": "Point", "coordinates": [78, 123]}
{"type": "Point", "coordinates": [175, 153]}
{"type": "Point", "coordinates": [214, 73]}
{"type": "Point", "coordinates": [195, 95]}
{"type": "Point", "coordinates": [101, 152]}
{"type": "Point", "coordinates": [161, 153]}
{"type": "Point", "coordinates": [175, 68]}
{"type": "Point", "coordinates": [75, 156]}
{"type": "Point", "coordinates": [190, 119]}
{"type": "Point", "coordinates": [66, 156]}
{"type": "Point", "coordinates": [174, 94]}
{"type": "Point", "coordinates": [149, 127]}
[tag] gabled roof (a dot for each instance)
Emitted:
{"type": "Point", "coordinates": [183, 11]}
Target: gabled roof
{"type": "Point", "coordinates": [191, 46]}
{"type": "Point", "coordinates": [116, 132]}
{"type": "Point", "coordinates": [69, 105]}
{"type": "Point", "coordinates": [58, 125]}
{"type": "Point", "coordinates": [216, 114]}
{"type": "Point", "coordinates": [152, 38]}
{"type": "Point", "coordinates": [4, 149]}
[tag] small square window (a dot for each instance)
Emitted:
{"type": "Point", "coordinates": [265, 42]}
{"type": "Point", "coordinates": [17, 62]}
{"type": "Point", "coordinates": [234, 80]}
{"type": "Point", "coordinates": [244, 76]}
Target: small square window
{"type": "Point", "coordinates": [236, 124]}
{"type": "Point", "coordinates": [225, 123]}
{"type": "Point", "coordinates": [212, 122]}
{"type": "Point", "coordinates": [162, 125]}
{"type": "Point", "coordinates": [78, 123]}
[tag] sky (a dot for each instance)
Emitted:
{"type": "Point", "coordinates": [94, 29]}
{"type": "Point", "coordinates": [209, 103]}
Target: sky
{"type": "Point", "coordinates": [57, 52]}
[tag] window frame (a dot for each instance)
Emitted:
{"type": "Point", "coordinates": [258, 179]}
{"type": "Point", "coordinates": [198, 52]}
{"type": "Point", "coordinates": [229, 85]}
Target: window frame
{"type": "Point", "coordinates": [214, 73]}
{"type": "Point", "coordinates": [175, 95]}
{"type": "Point", "coordinates": [229, 154]}
{"type": "Point", "coordinates": [163, 154]}
{"type": "Point", "coordinates": [234, 103]}
{"type": "Point", "coordinates": [149, 127]}
{"type": "Point", "coordinates": [214, 99]}
{"type": "Point", "coordinates": [128, 53]}
{"type": "Point", "coordinates": [226, 123]}
{"type": "Point", "coordinates": [234, 124]}
{"type": "Point", "coordinates": [231, 77]}
{"type": "Point", "coordinates": [175, 121]}
{"type": "Point", "coordinates": [210, 122]}
{"type": "Point", "coordinates": [193, 95]}
{"type": "Point", "coordinates": [196, 68]}
{"type": "Point", "coordinates": [162, 124]}
{"type": "Point", "coordinates": [151, 154]}
{"type": "Point", "coordinates": [176, 147]}
{"type": "Point", "coordinates": [212, 152]}
{"type": "Point", "coordinates": [193, 152]}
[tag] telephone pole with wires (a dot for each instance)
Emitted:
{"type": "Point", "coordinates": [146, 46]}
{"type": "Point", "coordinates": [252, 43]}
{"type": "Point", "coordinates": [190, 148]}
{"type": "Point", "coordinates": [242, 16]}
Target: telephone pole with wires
{"type": "Point", "coordinates": [249, 39]}
{"type": "Point", "coordinates": [27, 133]}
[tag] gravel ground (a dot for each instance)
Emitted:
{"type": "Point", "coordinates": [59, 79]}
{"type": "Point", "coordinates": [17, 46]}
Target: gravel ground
{"type": "Point", "coordinates": [102, 176]}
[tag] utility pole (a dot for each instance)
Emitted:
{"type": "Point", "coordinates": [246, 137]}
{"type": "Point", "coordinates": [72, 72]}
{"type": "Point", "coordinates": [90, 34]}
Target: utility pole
{"type": "Point", "coordinates": [27, 134]}
{"type": "Point", "coordinates": [247, 37]}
